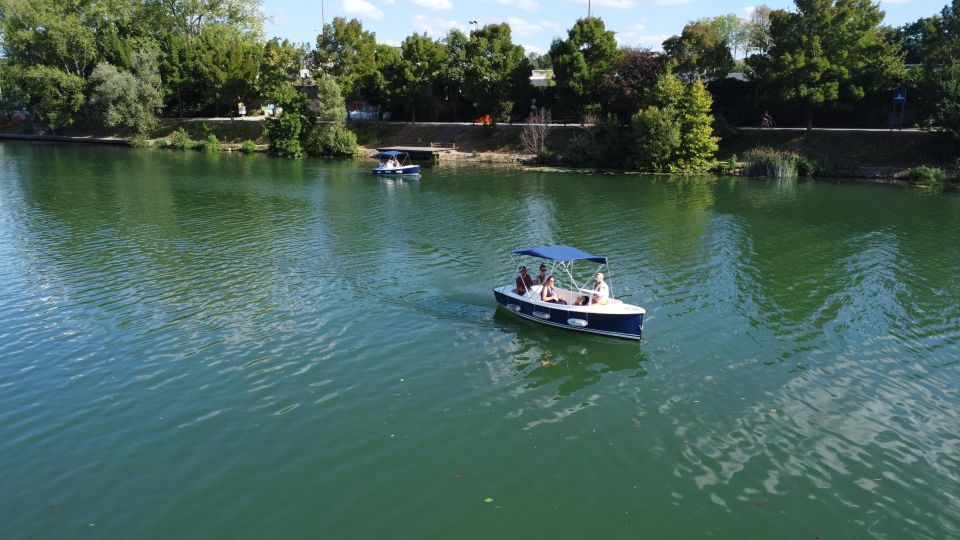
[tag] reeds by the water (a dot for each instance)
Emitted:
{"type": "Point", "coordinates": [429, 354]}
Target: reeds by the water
{"type": "Point", "coordinates": [770, 163]}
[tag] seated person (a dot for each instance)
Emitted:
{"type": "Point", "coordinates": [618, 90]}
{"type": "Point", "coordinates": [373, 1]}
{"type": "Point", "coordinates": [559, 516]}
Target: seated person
{"type": "Point", "coordinates": [524, 283]}
{"type": "Point", "coordinates": [542, 278]}
{"type": "Point", "coordinates": [547, 293]}
{"type": "Point", "coordinates": [602, 294]}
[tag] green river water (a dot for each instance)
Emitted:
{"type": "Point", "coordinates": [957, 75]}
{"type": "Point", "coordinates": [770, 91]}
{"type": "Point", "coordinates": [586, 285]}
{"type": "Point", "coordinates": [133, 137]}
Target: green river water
{"type": "Point", "coordinates": [223, 346]}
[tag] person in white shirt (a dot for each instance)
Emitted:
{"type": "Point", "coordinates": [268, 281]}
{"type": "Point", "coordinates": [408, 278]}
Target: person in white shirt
{"type": "Point", "coordinates": [601, 293]}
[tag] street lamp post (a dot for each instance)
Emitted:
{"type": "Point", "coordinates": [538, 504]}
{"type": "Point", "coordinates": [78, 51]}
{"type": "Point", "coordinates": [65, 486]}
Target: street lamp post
{"type": "Point", "coordinates": [476, 25]}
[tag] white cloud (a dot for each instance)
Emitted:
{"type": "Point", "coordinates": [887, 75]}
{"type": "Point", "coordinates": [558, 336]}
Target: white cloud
{"type": "Point", "coordinates": [526, 5]}
{"type": "Point", "coordinates": [434, 27]}
{"type": "Point", "coordinates": [895, 1]}
{"type": "Point", "coordinates": [633, 31]}
{"type": "Point", "coordinates": [523, 28]}
{"type": "Point", "coordinates": [442, 5]}
{"type": "Point", "coordinates": [361, 8]}
{"type": "Point", "coordinates": [531, 49]}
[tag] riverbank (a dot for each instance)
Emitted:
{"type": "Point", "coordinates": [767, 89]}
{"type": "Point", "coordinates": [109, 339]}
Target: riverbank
{"type": "Point", "coordinates": [851, 153]}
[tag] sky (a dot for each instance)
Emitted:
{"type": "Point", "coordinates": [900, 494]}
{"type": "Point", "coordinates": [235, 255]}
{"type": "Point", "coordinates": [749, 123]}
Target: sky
{"type": "Point", "coordinates": [534, 23]}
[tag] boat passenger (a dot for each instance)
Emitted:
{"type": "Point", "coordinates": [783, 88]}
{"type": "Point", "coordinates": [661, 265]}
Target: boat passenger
{"type": "Point", "coordinates": [542, 278]}
{"type": "Point", "coordinates": [548, 295]}
{"type": "Point", "coordinates": [394, 164]}
{"type": "Point", "coordinates": [601, 294]}
{"type": "Point", "coordinates": [524, 283]}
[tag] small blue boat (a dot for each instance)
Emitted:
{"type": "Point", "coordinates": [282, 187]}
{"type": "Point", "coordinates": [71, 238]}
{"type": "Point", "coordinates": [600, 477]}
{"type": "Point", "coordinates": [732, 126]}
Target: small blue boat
{"type": "Point", "coordinates": [394, 163]}
{"type": "Point", "coordinates": [580, 307]}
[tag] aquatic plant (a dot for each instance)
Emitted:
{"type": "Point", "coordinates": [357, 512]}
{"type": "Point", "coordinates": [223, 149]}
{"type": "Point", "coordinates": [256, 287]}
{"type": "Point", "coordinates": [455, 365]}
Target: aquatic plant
{"type": "Point", "coordinates": [770, 163]}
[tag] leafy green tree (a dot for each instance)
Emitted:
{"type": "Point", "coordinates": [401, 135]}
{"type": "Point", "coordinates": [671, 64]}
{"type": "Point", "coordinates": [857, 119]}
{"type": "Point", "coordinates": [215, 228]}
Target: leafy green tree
{"type": "Point", "coordinates": [699, 52]}
{"type": "Point", "coordinates": [733, 30]}
{"type": "Point", "coordinates": [331, 137]}
{"type": "Point", "coordinates": [229, 61]}
{"type": "Point", "coordinates": [539, 61]}
{"type": "Point", "coordinates": [286, 131]}
{"type": "Point", "coordinates": [454, 70]}
{"type": "Point", "coordinates": [280, 63]}
{"type": "Point", "coordinates": [498, 73]}
{"type": "Point", "coordinates": [348, 52]}
{"type": "Point", "coordinates": [758, 30]}
{"type": "Point", "coordinates": [830, 52]}
{"type": "Point", "coordinates": [383, 86]}
{"type": "Point", "coordinates": [698, 146]}
{"type": "Point", "coordinates": [128, 100]}
{"type": "Point", "coordinates": [52, 95]}
{"type": "Point", "coordinates": [424, 60]}
{"type": "Point", "coordinates": [943, 68]}
{"type": "Point", "coordinates": [673, 132]}
{"type": "Point", "coordinates": [581, 62]}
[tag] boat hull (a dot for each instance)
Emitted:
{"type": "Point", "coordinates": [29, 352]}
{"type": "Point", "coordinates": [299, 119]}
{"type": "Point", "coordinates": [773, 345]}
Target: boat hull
{"type": "Point", "coordinates": [627, 325]}
{"type": "Point", "coordinates": [397, 171]}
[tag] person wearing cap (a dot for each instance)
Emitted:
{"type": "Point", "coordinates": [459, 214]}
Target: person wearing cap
{"type": "Point", "coordinates": [601, 292]}
{"type": "Point", "coordinates": [524, 283]}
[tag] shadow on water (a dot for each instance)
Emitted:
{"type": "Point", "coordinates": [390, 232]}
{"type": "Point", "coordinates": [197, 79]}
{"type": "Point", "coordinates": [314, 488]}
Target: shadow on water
{"type": "Point", "coordinates": [572, 360]}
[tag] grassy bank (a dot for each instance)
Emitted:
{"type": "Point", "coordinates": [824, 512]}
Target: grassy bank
{"type": "Point", "coordinates": [848, 153]}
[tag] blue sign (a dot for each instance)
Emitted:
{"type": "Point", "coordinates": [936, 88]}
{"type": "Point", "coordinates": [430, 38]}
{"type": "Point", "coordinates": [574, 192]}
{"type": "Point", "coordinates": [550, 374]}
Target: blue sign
{"type": "Point", "coordinates": [900, 96]}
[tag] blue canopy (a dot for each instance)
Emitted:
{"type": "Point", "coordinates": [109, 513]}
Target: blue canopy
{"type": "Point", "coordinates": [560, 253]}
{"type": "Point", "coordinates": [389, 154]}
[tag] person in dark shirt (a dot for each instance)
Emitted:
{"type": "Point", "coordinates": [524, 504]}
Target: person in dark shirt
{"type": "Point", "coordinates": [524, 283]}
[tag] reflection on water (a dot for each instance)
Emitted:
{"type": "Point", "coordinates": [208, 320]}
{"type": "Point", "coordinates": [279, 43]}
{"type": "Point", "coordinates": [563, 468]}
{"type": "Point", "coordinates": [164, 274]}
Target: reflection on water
{"type": "Point", "coordinates": [182, 333]}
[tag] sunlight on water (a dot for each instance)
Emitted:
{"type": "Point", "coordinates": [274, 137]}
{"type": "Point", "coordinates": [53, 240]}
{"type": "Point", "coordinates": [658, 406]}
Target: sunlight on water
{"type": "Point", "coordinates": [295, 341]}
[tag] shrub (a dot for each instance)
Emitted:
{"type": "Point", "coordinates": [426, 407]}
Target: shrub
{"type": "Point", "coordinates": [249, 146]}
{"type": "Point", "coordinates": [657, 136]}
{"type": "Point", "coordinates": [928, 176]}
{"type": "Point", "coordinates": [770, 163]}
{"type": "Point", "coordinates": [181, 140]}
{"type": "Point", "coordinates": [729, 166]}
{"type": "Point", "coordinates": [546, 156]}
{"type": "Point", "coordinates": [581, 151]}
{"type": "Point", "coordinates": [129, 100]}
{"type": "Point", "coordinates": [211, 143]}
{"type": "Point", "coordinates": [807, 167]}
{"type": "Point", "coordinates": [139, 141]}
{"type": "Point", "coordinates": [332, 140]}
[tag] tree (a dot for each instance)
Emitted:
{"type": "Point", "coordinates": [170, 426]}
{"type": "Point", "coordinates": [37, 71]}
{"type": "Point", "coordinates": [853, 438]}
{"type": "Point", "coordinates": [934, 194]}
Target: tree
{"type": "Point", "coordinates": [831, 52]}
{"type": "Point", "coordinates": [581, 62]}
{"type": "Point", "coordinates": [699, 52]}
{"type": "Point", "coordinates": [52, 95]}
{"type": "Point", "coordinates": [286, 131]}
{"type": "Point", "coordinates": [539, 61]}
{"type": "Point", "coordinates": [733, 30]}
{"type": "Point", "coordinates": [673, 132]}
{"type": "Point", "coordinates": [454, 70]}
{"type": "Point", "coordinates": [423, 61]}
{"type": "Point", "coordinates": [945, 49]}
{"type": "Point", "coordinates": [331, 137]}
{"type": "Point", "coordinates": [634, 73]}
{"type": "Point", "coordinates": [348, 52]}
{"type": "Point", "coordinates": [533, 138]}
{"type": "Point", "coordinates": [758, 30]}
{"type": "Point", "coordinates": [280, 63]}
{"type": "Point", "coordinates": [497, 74]}
{"type": "Point", "coordinates": [128, 100]}
{"type": "Point", "coordinates": [228, 67]}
